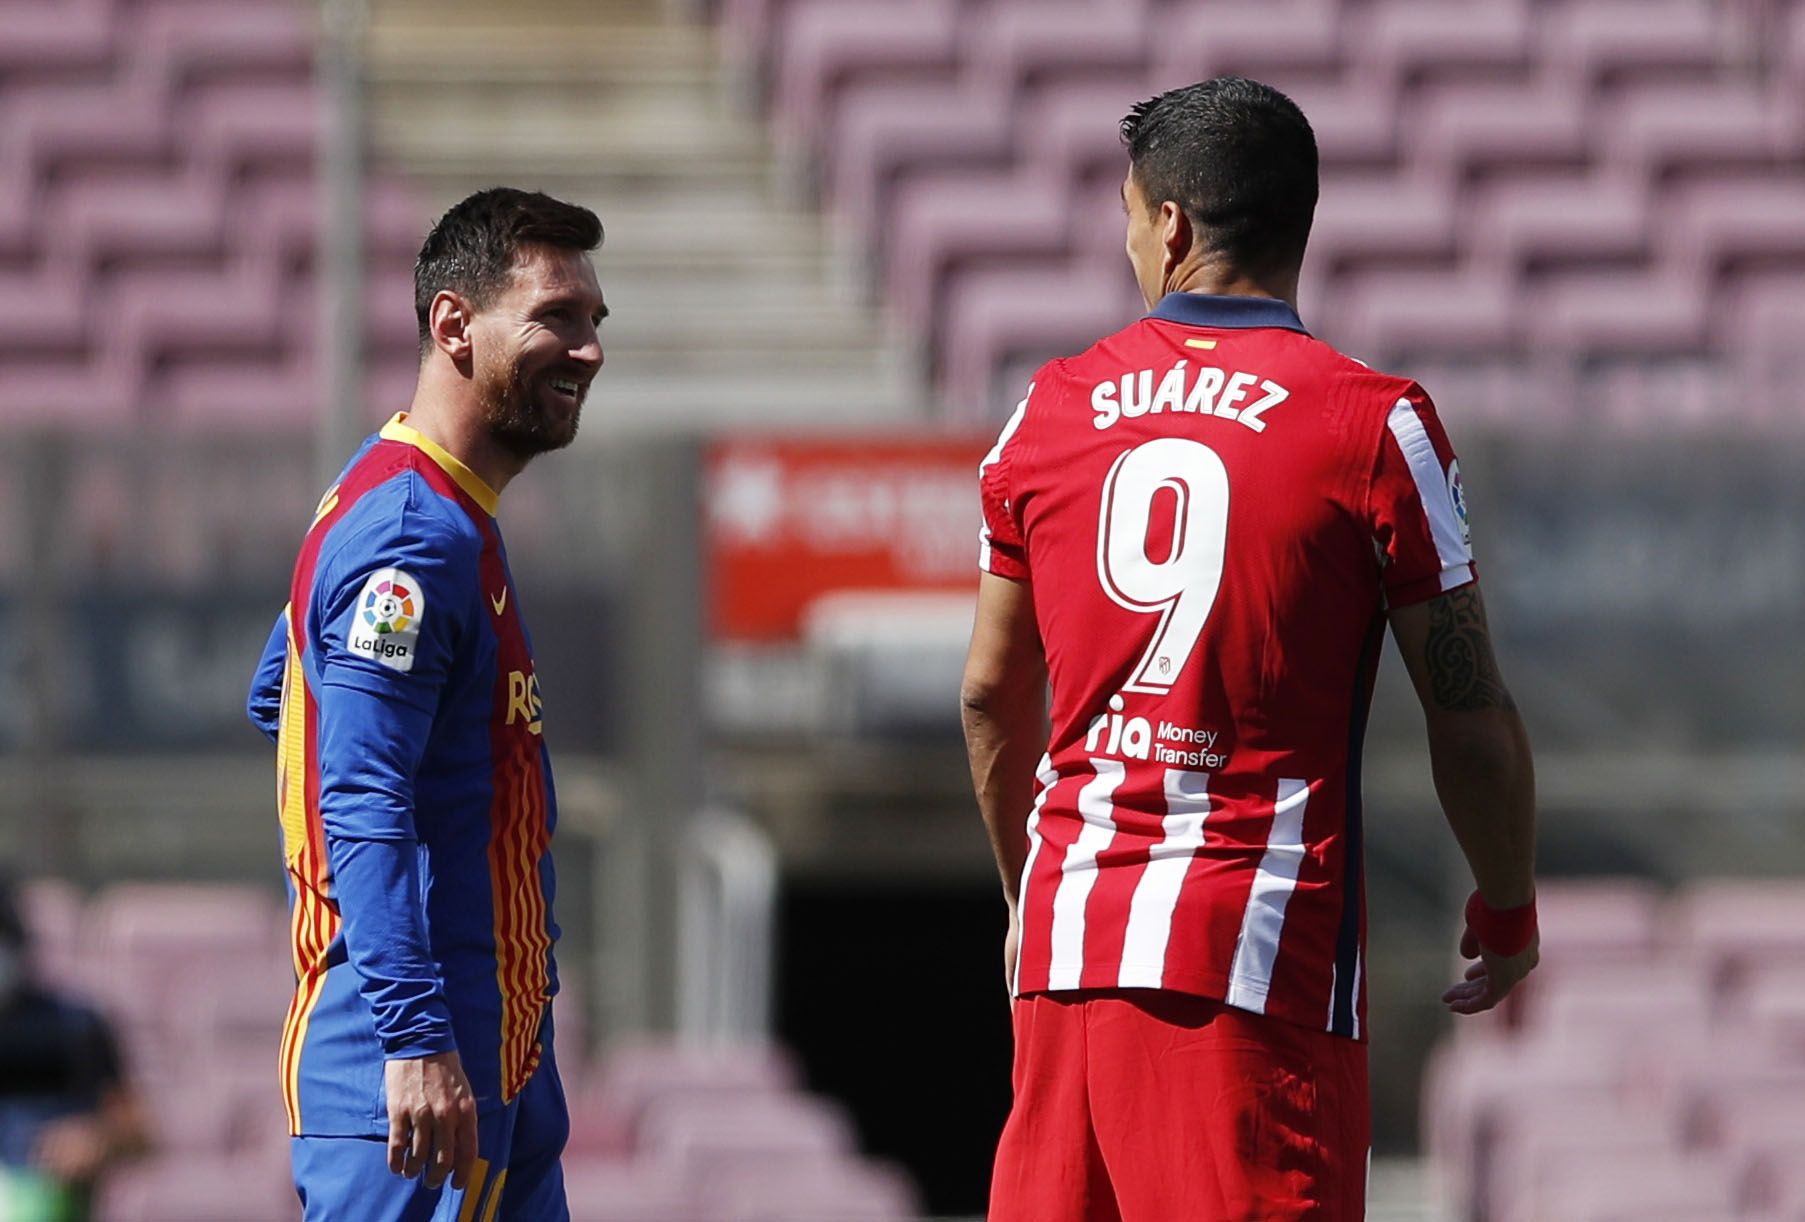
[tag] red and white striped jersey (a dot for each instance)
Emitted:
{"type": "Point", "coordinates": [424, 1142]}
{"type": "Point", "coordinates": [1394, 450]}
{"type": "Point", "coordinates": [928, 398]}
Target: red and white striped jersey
{"type": "Point", "coordinates": [1214, 510]}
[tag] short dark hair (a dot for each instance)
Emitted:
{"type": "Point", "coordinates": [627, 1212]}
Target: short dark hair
{"type": "Point", "coordinates": [1240, 159]}
{"type": "Point", "coordinates": [473, 248]}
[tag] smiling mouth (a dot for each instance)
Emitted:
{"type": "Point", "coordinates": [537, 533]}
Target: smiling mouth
{"type": "Point", "coordinates": [568, 388]}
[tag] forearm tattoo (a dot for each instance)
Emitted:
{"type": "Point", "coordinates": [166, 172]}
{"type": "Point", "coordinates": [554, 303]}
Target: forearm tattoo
{"type": "Point", "coordinates": [1463, 674]}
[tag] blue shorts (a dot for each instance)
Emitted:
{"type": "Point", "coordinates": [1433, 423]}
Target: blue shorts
{"type": "Point", "coordinates": [517, 1177]}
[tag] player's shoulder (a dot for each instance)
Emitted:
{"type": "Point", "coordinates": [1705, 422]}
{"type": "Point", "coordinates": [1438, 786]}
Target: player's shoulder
{"type": "Point", "coordinates": [401, 512]}
{"type": "Point", "coordinates": [1360, 383]}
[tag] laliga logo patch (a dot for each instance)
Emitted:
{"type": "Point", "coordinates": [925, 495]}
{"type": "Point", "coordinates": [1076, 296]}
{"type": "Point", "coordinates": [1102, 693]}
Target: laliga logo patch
{"type": "Point", "coordinates": [1458, 494]}
{"type": "Point", "coordinates": [385, 628]}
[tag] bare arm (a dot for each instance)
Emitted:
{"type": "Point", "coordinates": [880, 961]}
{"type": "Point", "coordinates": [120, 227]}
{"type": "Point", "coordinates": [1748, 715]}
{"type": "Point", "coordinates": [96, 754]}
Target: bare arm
{"type": "Point", "coordinates": [1002, 703]}
{"type": "Point", "coordinates": [1479, 754]}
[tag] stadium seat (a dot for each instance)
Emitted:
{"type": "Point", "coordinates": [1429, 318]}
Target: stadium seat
{"type": "Point", "coordinates": [826, 42]}
{"type": "Point", "coordinates": [634, 1076]}
{"type": "Point", "coordinates": [885, 130]}
{"type": "Point", "coordinates": [1389, 310]}
{"type": "Point", "coordinates": [995, 316]}
{"type": "Point", "coordinates": [1462, 127]}
{"type": "Point", "coordinates": [1522, 223]}
{"type": "Point", "coordinates": [941, 225]}
{"type": "Point", "coordinates": [1257, 39]}
{"type": "Point", "coordinates": [1397, 38]}
{"type": "Point", "coordinates": [707, 1131]}
{"type": "Point", "coordinates": [830, 1191]}
{"type": "Point", "coordinates": [628, 1190]}
{"type": "Point", "coordinates": [192, 1187]}
{"type": "Point", "coordinates": [1591, 39]}
{"type": "Point", "coordinates": [1024, 43]}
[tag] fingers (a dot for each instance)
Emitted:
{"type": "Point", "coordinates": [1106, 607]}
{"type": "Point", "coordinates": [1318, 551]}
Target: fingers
{"type": "Point", "coordinates": [399, 1133]}
{"type": "Point", "coordinates": [419, 1149]}
{"type": "Point", "coordinates": [467, 1151]}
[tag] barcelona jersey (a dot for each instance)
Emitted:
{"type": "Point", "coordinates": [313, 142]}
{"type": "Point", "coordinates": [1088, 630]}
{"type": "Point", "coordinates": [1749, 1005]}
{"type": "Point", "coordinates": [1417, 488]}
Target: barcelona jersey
{"type": "Point", "coordinates": [414, 791]}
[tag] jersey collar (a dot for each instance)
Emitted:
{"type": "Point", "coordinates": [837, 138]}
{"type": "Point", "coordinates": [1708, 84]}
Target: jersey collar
{"type": "Point", "coordinates": [1211, 310]}
{"type": "Point", "coordinates": [480, 492]}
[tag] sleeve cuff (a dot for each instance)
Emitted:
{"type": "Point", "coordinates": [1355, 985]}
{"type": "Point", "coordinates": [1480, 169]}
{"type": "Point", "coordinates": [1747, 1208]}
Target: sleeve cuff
{"type": "Point", "coordinates": [428, 1037]}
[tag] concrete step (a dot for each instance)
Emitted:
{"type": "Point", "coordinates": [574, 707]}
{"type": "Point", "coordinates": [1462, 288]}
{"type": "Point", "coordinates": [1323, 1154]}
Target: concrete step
{"type": "Point", "coordinates": [635, 398]}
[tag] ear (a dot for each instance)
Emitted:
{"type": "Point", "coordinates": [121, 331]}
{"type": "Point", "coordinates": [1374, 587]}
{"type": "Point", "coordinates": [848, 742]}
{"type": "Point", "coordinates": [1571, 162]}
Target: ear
{"type": "Point", "coordinates": [448, 322]}
{"type": "Point", "coordinates": [1174, 232]}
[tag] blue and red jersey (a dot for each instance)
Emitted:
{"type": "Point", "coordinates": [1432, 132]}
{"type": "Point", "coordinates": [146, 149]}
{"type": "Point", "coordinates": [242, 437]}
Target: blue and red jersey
{"type": "Point", "coordinates": [414, 790]}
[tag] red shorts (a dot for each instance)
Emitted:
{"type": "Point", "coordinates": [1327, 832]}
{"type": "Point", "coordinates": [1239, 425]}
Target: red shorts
{"type": "Point", "coordinates": [1139, 1105]}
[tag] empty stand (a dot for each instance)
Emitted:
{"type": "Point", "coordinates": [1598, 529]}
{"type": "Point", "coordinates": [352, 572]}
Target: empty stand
{"type": "Point", "coordinates": [1645, 1074]}
{"type": "Point", "coordinates": [1555, 185]}
{"type": "Point", "coordinates": [161, 215]}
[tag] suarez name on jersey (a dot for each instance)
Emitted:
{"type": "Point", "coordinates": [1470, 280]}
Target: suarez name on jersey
{"type": "Point", "coordinates": [415, 793]}
{"type": "Point", "coordinates": [1214, 510]}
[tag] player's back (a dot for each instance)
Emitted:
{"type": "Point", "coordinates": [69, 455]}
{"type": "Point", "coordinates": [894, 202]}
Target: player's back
{"type": "Point", "coordinates": [1213, 509]}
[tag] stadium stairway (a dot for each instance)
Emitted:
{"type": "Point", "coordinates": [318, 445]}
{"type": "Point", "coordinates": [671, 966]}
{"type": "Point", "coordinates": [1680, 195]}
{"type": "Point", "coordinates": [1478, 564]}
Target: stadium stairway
{"type": "Point", "coordinates": [728, 306]}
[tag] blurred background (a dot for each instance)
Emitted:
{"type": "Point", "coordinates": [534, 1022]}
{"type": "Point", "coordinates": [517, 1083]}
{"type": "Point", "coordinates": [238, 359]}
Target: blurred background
{"type": "Point", "coordinates": [840, 235]}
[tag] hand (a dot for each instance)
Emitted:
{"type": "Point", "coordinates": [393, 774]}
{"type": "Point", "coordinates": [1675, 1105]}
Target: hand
{"type": "Point", "coordinates": [73, 1149]}
{"type": "Point", "coordinates": [1490, 980]}
{"type": "Point", "coordinates": [1012, 941]}
{"type": "Point", "coordinates": [432, 1119]}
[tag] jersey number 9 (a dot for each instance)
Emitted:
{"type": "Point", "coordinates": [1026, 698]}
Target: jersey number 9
{"type": "Point", "coordinates": [1181, 588]}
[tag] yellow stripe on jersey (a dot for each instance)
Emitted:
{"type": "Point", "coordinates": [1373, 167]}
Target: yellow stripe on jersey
{"type": "Point", "coordinates": [1205, 344]}
{"type": "Point", "coordinates": [291, 752]}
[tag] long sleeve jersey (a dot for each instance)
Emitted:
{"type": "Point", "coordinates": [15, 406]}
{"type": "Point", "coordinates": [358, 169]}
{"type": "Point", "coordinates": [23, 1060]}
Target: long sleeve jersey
{"type": "Point", "coordinates": [414, 791]}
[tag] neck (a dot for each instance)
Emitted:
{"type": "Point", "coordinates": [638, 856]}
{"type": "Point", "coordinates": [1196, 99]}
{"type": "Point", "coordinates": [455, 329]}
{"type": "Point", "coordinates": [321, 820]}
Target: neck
{"type": "Point", "coordinates": [1212, 276]}
{"type": "Point", "coordinates": [446, 412]}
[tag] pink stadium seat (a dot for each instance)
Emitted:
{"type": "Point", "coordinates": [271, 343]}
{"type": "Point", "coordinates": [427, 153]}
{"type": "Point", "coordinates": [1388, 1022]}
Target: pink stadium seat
{"type": "Point", "coordinates": [729, 1130]}
{"type": "Point", "coordinates": [55, 125]}
{"type": "Point", "coordinates": [885, 130]}
{"type": "Point", "coordinates": [942, 225]}
{"type": "Point", "coordinates": [271, 125]}
{"type": "Point", "coordinates": [1729, 219]}
{"type": "Point", "coordinates": [835, 1191]}
{"type": "Point", "coordinates": [1599, 920]}
{"type": "Point", "coordinates": [1024, 42]}
{"type": "Point", "coordinates": [1586, 1187]}
{"type": "Point", "coordinates": [1656, 314]}
{"type": "Point", "coordinates": [1592, 38]}
{"type": "Point", "coordinates": [1074, 132]}
{"type": "Point", "coordinates": [1521, 223]}
{"type": "Point", "coordinates": [1391, 311]}
{"type": "Point", "coordinates": [1733, 923]}
{"type": "Point", "coordinates": [1398, 37]}
{"type": "Point", "coordinates": [617, 1190]}
{"type": "Point", "coordinates": [1355, 121]}
{"type": "Point", "coordinates": [826, 43]}
{"type": "Point", "coordinates": [51, 36]}
{"type": "Point", "coordinates": [1468, 1083]}
{"type": "Point", "coordinates": [634, 1076]}
{"type": "Point", "coordinates": [995, 315]}
{"type": "Point", "coordinates": [1381, 216]}
{"type": "Point", "coordinates": [1698, 126]}
{"type": "Point", "coordinates": [1532, 1140]}
{"type": "Point", "coordinates": [126, 216]}
{"type": "Point", "coordinates": [1468, 125]}
{"type": "Point", "coordinates": [1255, 39]}
{"type": "Point", "coordinates": [133, 919]}
{"type": "Point", "coordinates": [197, 1188]}
{"type": "Point", "coordinates": [1622, 999]}
{"type": "Point", "coordinates": [196, 39]}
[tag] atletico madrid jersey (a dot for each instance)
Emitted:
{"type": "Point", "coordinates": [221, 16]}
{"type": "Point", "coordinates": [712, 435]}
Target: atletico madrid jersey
{"type": "Point", "coordinates": [1214, 510]}
{"type": "Point", "coordinates": [414, 790]}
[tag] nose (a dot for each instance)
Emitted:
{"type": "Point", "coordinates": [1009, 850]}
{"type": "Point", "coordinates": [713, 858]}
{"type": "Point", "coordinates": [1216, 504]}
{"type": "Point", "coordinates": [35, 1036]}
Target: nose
{"type": "Point", "coordinates": [589, 354]}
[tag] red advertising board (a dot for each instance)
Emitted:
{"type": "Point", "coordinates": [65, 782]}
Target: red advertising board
{"type": "Point", "coordinates": [792, 519]}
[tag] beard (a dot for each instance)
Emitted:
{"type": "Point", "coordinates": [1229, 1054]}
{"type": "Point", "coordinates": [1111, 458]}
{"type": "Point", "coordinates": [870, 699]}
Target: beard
{"type": "Point", "coordinates": [524, 415]}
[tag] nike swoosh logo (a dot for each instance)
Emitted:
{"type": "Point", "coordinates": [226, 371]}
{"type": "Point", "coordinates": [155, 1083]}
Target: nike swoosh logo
{"type": "Point", "coordinates": [499, 601]}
